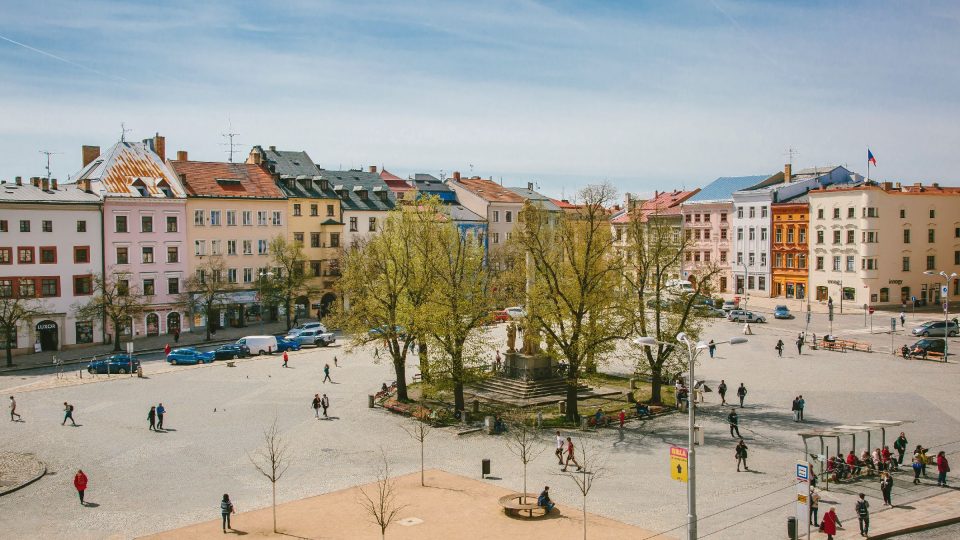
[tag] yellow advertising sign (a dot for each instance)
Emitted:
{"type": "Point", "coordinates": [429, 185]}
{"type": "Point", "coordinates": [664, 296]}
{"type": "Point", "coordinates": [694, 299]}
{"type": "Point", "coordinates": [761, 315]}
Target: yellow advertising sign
{"type": "Point", "coordinates": [678, 463]}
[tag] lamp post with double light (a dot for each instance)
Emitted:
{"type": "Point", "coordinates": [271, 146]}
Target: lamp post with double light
{"type": "Point", "coordinates": [263, 274]}
{"type": "Point", "coordinates": [945, 290]}
{"type": "Point", "coordinates": [692, 349]}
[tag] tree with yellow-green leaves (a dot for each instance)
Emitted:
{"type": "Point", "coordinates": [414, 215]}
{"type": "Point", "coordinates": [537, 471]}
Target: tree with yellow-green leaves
{"type": "Point", "coordinates": [292, 280]}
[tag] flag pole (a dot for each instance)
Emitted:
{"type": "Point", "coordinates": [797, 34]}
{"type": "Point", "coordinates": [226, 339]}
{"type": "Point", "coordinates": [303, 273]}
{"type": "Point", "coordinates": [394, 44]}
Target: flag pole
{"type": "Point", "coordinates": [868, 164]}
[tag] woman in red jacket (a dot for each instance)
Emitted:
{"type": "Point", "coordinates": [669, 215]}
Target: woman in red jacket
{"type": "Point", "coordinates": [943, 467]}
{"type": "Point", "coordinates": [830, 522]}
{"type": "Point", "coordinates": [80, 482]}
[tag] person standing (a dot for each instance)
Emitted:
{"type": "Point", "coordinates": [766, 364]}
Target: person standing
{"type": "Point", "coordinates": [741, 393]}
{"type": "Point", "coordinates": [316, 406]}
{"type": "Point", "coordinates": [152, 418]}
{"type": "Point", "coordinates": [886, 487]}
{"type": "Point", "coordinates": [326, 374]}
{"type": "Point", "coordinates": [176, 336]}
{"type": "Point", "coordinates": [166, 350]}
{"type": "Point", "coordinates": [161, 410]}
{"type": "Point", "coordinates": [226, 508]}
{"type": "Point", "coordinates": [779, 348]}
{"type": "Point", "coordinates": [800, 344]}
{"type": "Point", "coordinates": [622, 417]}
{"type": "Point", "coordinates": [571, 456]}
{"type": "Point", "coordinates": [943, 467]}
{"type": "Point", "coordinates": [741, 455]}
{"type": "Point", "coordinates": [795, 407]}
{"type": "Point", "coordinates": [325, 403]}
{"type": "Point", "coordinates": [917, 468]}
{"type": "Point", "coordinates": [559, 451]}
{"type": "Point", "coordinates": [68, 414]}
{"type": "Point", "coordinates": [903, 319]}
{"type": "Point", "coordinates": [712, 347]}
{"type": "Point", "coordinates": [80, 483]}
{"type": "Point", "coordinates": [13, 409]}
{"type": "Point", "coordinates": [814, 507]}
{"type": "Point", "coordinates": [900, 445]}
{"type": "Point", "coordinates": [830, 523]}
{"type": "Point", "coordinates": [336, 363]}
{"type": "Point", "coordinates": [801, 403]}
{"type": "Point", "coordinates": [734, 422]}
{"type": "Point", "coordinates": [285, 358]}
{"type": "Point", "coordinates": [722, 390]}
{"type": "Point", "coordinates": [863, 515]}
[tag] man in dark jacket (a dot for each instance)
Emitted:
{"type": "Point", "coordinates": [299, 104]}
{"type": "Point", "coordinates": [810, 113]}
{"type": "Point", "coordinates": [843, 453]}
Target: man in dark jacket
{"type": "Point", "coordinates": [734, 422]}
{"type": "Point", "coordinates": [741, 393]}
{"type": "Point", "coordinates": [900, 445]}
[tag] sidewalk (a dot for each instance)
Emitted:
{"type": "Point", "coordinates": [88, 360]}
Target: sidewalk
{"type": "Point", "coordinates": [140, 346]}
{"type": "Point", "coordinates": [798, 307]}
{"type": "Point", "coordinates": [935, 511]}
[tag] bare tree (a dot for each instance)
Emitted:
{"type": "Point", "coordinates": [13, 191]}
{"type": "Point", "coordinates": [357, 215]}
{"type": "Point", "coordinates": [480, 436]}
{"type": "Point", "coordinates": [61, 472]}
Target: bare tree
{"type": "Point", "coordinates": [115, 300]}
{"type": "Point", "coordinates": [523, 439]}
{"type": "Point", "coordinates": [419, 430]}
{"type": "Point", "coordinates": [208, 290]}
{"type": "Point", "coordinates": [381, 502]}
{"type": "Point", "coordinates": [13, 311]}
{"type": "Point", "coordinates": [272, 461]}
{"type": "Point", "coordinates": [592, 463]}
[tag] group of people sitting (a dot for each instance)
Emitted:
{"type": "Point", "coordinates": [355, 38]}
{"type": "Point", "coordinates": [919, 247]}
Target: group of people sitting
{"type": "Point", "coordinates": [868, 463]}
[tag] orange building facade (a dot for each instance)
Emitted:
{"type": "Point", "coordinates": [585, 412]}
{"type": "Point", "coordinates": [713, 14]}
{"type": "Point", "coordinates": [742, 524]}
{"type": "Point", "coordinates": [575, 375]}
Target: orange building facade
{"type": "Point", "coordinates": [791, 269]}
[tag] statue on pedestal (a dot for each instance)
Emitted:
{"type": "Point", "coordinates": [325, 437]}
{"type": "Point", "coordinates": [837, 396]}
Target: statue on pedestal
{"type": "Point", "coordinates": [512, 337]}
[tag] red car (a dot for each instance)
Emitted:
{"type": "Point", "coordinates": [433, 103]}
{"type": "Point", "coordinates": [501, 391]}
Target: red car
{"type": "Point", "coordinates": [499, 316]}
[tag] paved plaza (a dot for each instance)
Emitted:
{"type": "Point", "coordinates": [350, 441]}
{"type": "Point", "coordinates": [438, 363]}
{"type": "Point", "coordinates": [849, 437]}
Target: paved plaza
{"type": "Point", "coordinates": [141, 482]}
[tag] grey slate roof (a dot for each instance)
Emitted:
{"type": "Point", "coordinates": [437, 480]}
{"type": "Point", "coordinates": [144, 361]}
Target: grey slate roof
{"type": "Point", "coordinates": [722, 188]}
{"type": "Point", "coordinates": [796, 199]}
{"type": "Point", "coordinates": [427, 183]}
{"type": "Point", "coordinates": [64, 194]}
{"type": "Point", "coordinates": [461, 214]}
{"type": "Point", "coordinates": [296, 174]}
{"type": "Point", "coordinates": [352, 184]}
{"type": "Point", "coordinates": [539, 199]}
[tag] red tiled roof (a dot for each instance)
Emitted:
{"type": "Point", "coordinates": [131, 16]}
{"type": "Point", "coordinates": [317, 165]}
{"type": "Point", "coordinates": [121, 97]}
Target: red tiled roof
{"type": "Point", "coordinates": [564, 205]}
{"type": "Point", "coordinates": [663, 204]}
{"type": "Point", "coordinates": [217, 179]}
{"type": "Point", "coordinates": [489, 190]}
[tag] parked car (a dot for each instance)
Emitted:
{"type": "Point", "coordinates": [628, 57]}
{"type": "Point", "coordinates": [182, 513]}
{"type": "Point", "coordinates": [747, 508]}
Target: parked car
{"type": "Point", "coordinates": [284, 345]}
{"type": "Point", "coordinates": [937, 328]}
{"type": "Point", "coordinates": [307, 326]}
{"type": "Point", "coordinates": [928, 345]}
{"type": "Point", "coordinates": [259, 344]}
{"type": "Point", "coordinates": [729, 305]}
{"type": "Point", "coordinates": [782, 312]}
{"type": "Point", "coordinates": [680, 286]}
{"type": "Point", "coordinates": [312, 337]}
{"type": "Point", "coordinates": [381, 331]}
{"type": "Point", "coordinates": [231, 351]}
{"type": "Point", "coordinates": [516, 312]}
{"type": "Point", "coordinates": [118, 363]}
{"type": "Point", "coordinates": [499, 316]}
{"type": "Point", "coordinates": [709, 311]}
{"type": "Point", "coordinates": [739, 315]}
{"type": "Point", "coordinates": [189, 356]}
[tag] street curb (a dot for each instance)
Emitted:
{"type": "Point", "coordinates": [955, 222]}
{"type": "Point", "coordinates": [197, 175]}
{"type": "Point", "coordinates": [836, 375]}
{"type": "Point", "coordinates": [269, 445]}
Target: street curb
{"type": "Point", "coordinates": [28, 482]}
{"type": "Point", "coordinates": [916, 528]}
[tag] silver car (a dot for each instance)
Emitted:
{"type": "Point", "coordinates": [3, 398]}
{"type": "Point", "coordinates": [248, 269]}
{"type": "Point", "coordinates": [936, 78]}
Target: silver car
{"type": "Point", "coordinates": [312, 337]}
{"type": "Point", "coordinates": [739, 315]}
{"type": "Point", "coordinates": [937, 328]}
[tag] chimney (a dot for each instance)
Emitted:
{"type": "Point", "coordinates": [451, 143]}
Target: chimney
{"type": "Point", "coordinates": [787, 173]}
{"type": "Point", "coordinates": [181, 155]}
{"type": "Point", "coordinates": [35, 180]}
{"type": "Point", "coordinates": [273, 148]}
{"type": "Point", "coordinates": [456, 176]}
{"type": "Point", "coordinates": [160, 146]}
{"type": "Point", "coordinates": [84, 185]}
{"type": "Point", "coordinates": [53, 184]}
{"type": "Point", "coordinates": [19, 180]}
{"type": "Point", "coordinates": [373, 169]}
{"type": "Point", "coordinates": [45, 184]}
{"type": "Point", "coordinates": [89, 153]}
{"type": "Point", "coordinates": [529, 186]}
{"type": "Point", "coordinates": [256, 157]}
{"type": "Point", "coordinates": [887, 186]}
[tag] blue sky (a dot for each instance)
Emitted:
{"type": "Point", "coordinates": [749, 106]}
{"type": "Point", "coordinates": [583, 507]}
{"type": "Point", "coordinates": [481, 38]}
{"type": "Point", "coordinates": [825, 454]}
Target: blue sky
{"type": "Point", "coordinates": [649, 95]}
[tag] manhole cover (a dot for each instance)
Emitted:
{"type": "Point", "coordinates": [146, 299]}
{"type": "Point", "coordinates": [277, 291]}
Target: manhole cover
{"type": "Point", "coordinates": [407, 522]}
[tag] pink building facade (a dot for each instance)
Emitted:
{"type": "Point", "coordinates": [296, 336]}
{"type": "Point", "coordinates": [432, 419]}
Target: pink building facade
{"type": "Point", "coordinates": [706, 230]}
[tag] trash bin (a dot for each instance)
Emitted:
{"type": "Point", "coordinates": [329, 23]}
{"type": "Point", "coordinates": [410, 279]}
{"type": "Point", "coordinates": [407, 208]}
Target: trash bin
{"type": "Point", "coordinates": [563, 407]}
{"type": "Point", "coordinates": [630, 397]}
{"type": "Point", "coordinates": [370, 401]}
{"type": "Point", "coordinates": [698, 434]}
{"type": "Point", "coordinates": [584, 422]}
{"type": "Point", "coordinates": [485, 469]}
{"type": "Point", "coordinates": [634, 384]}
{"type": "Point", "coordinates": [488, 424]}
{"type": "Point", "coordinates": [792, 528]}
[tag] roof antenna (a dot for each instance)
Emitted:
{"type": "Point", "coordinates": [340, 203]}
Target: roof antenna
{"type": "Point", "coordinates": [48, 154]}
{"type": "Point", "coordinates": [123, 132]}
{"type": "Point", "coordinates": [790, 153]}
{"type": "Point", "coordinates": [229, 135]}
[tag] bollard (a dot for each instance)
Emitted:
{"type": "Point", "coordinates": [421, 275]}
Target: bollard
{"type": "Point", "coordinates": [634, 384]}
{"type": "Point", "coordinates": [484, 468]}
{"type": "Point", "coordinates": [370, 401]}
{"type": "Point", "coordinates": [488, 424]}
{"type": "Point", "coordinates": [698, 434]}
{"type": "Point", "coordinates": [476, 406]}
{"type": "Point", "coordinates": [563, 407]}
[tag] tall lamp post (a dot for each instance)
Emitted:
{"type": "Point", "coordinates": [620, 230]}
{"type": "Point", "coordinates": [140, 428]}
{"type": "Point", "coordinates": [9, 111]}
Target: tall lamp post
{"type": "Point", "coordinates": [746, 295]}
{"type": "Point", "coordinates": [945, 289]}
{"type": "Point", "coordinates": [264, 273]}
{"type": "Point", "coordinates": [692, 349]}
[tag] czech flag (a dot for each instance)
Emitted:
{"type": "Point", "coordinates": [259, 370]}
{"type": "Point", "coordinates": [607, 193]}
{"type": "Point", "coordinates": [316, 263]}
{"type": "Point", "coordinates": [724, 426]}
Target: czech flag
{"type": "Point", "coordinates": [870, 158]}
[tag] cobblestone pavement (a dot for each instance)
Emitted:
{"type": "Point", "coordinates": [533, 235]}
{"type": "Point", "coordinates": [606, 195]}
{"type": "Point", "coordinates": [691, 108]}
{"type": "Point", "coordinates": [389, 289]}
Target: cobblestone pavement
{"type": "Point", "coordinates": [17, 469]}
{"type": "Point", "coordinates": [146, 482]}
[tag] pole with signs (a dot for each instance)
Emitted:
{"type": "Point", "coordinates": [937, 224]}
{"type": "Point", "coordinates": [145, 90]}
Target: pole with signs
{"type": "Point", "coordinates": [129, 356]}
{"type": "Point", "coordinates": [893, 329]}
{"type": "Point", "coordinates": [678, 463]}
{"type": "Point", "coordinates": [830, 315]}
{"type": "Point", "coordinates": [944, 290]}
{"type": "Point", "coordinates": [864, 315]}
{"type": "Point", "coordinates": [913, 300]}
{"type": "Point", "coordinates": [803, 494]}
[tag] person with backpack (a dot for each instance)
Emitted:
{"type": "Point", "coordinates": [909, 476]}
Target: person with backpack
{"type": "Point", "coordinates": [863, 515]}
{"type": "Point", "coordinates": [779, 348]}
{"type": "Point", "coordinates": [152, 418]}
{"type": "Point", "coordinates": [722, 390]}
{"type": "Point", "coordinates": [80, 483]}
{"type": "Point", "coordinates": [943, 467]}
{"type": "Point", "coordinates": [741, 393]}
{"type": "Point", "coordinates": [741, 455]}
{"type": "Point", "coordinates": [68, 414]}
{"type": "Point", "coordinates": [226, 508]}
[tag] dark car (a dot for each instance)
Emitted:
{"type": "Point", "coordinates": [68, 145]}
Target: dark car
{"type": "Point", "coordinates": [284, 345]}
{"type": "Point", "coordinates": [231, 351]}
{"type": "Point", "coordinates": [189, 356]}
{"type": "Point", "coordinates": [118, 363]}
{"type": "Point", "coordinates": [927, 345]}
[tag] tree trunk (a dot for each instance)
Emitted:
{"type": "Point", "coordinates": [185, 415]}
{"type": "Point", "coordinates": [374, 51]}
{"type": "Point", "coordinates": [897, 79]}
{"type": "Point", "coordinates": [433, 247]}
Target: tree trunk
{"type": "Point", "coordinates": [584, 515]}
{"type": "Point", "coordinates": [400, 370]}
{"type": "Point", "coordinates": [6, 344]}
{"type": "Point", "coordinates": [572, 413]}
{"type": "Point", "coordinates": [423, 353]}
{"type": "Point", "coordinates": [421, 459]}
{"type": "Point", "coordinates": [209, 322]}
{"type": "Point", "coordinates": [656, 385]}
{"type": "Point", "coordinates": [274, 485]}
{"type": "Point", "coordinates": [458, 401]}
{"type": "Point", "coordinates": [116, 337]}
{"type": "Point", "coordinates": [287, 310]}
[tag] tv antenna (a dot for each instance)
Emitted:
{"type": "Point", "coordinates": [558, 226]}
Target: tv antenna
{"type": "Point", "coordinates": [791, 153]}
{"type": "Point", "coordinates": [230, 142]}
{"type": "Point", "coordinates": [48, 153]}
{"type": "Point", "coordinates": [123, 132]}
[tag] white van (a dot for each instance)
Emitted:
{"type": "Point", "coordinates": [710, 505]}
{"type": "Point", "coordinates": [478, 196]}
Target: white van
{"type": "Point", "coordinates": [259, 344]}
{"type": "Point", "coordinates": [680, 286]}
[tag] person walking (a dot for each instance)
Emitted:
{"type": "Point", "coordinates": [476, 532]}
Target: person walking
{"type": "Point", "coordinates": [166, 350]}
{"type": "Point", "coordinates": [863, 515]}
{"type": "Point", "coordinates": [922, 452]}
{"type": "Point", "coordinates": [80, 483]}
{"type": "Point", "coordinates": [830, 523]}
{"type": "Point", "coordinates": [886, 487]}
{"type": "Point", "coordinates": [779, 348]}
{"type": "Point", "coordinates": [325, 403]}
{"type": "Point", "coordinates": [285, 358]}
{"type": "Point", "coordinates": [571, 456]}
{"type": "Point", "coordinates": [741, 393]}
{"type": "Point", "coordinates": [722, 390]}
{"type": "Point", "coordinates": [152, 418]}
{"type": "Point", "coordinates": [917, 468]}
{"type": "Point", "coordinates": [161, 410]}
{"type": "Point", "coordinates": [800, 344]}
{"type": "Point", "coordinates": [316, 406]}
{"type": "Point", "coordinates": [559, 451]}
{"type": "Point", "coordinates": [903, 319]}
{"type": "Point", "coordinates": [13, 410]}
{"type": "Point", "coordinates": [712, 347]}
{"type": "Point", "coordinates": [326, 374]}
{"type": "Point", "coordinates": [801, 403]}
{"type": "Point", "coordinates": [734, 422]}
{"type": "Point", "coordinates": [814, 507]}
{"type": "Point", "coordinates": [622, 417]}
{"type": "Point", "coordinates": [900, 445]}
{"type": "Point", "coordinates": [796, 409]}
{"type": "Point", "coordinates": [943, 467]}
{"type": "Point", "coordinates": [226, 508]}
{"type": "Point", "coordinates": [741, 455]}
{"type": "Point", "coordinates": [336, 363]}
{"type": "Point", "coordinates": [68, 414]}
{"type": "Point", "coordinates": [176, 336]}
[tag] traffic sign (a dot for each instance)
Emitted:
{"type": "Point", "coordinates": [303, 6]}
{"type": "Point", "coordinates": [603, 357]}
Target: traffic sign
{"type": "Point", "coordinates": [913, 299]}
{"type": "Point", "coordinates": [678, 463]}
{"type": "Point", "coordinates": [943, 291]}
{"type": "Point", "coordinates": [872, 310]}
{"type": "Point", "coordinates": [803, 472]}
{"type": "Point", "coordinates": [803, 492]}
{"type": "Point", "coordinates": [893, 324]}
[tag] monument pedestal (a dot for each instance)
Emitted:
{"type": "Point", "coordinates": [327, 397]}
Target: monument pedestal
{"type": "Point", "coordinates": [528, 367]}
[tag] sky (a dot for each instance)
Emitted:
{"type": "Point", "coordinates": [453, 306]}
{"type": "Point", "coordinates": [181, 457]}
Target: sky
{"type": "Point", "coordinates": [647, 95]}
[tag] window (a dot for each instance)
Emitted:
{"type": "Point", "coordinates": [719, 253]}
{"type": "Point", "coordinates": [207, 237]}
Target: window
{"type": "Point", "coordinates": [723, 217]}
{"type": "Point", "coordinates": [121, 224]}
{"type": "Point", "coordinates": [199, 247]}
{"type": "Point", "coordinates": [330, 210]}
{"type": "Point", "coordinates": [762, 282]}
{"type": "Point", "coordinates": [82, 285]}
{"type": "Point", "coordinates": [850, 263]}
{"type": "Point", "coordinates": [750, 280]}
{"type": "Point", "coordinates": [933, 213]}
{"type": "Point", "coordinates": [314, 239]}
{"type": "Point", "coordinates": [836, 263]}
{"type": "Point", "coordinates": [723, 256]}
{"type": "Point", "coordinates": [4, 227]}
{"type": "Point", "coordinates": [753, 233]}
{"type": "Point", "coordinates": [706, 234]}
{"type": "Point", "coordinates": [261, 247]}
{"type": "Point", "coordinates": [173, 285]}
{"type": "Point", "coordinates": [247, 217]}
{"type": "Point", "coordinates": [147, 254]}
{"type": "Point", "coordinates": [25, 255]}
{"type": "Point", "coordinates": [48, 255]}
{"type": "Point", "coordinates": [956, 232]}
{"type": "Point", "coordinates": [836, 213]}
{"type": "Point", "coordinates": [819, 213]}
{"type": "Point", "coordinates": [956, 257]}
{"type": "Point", "coordinates": [836, 237]}
{"type": "Point", "coordinates": [696, 234]}
{"type": "Point", "coordinates": [173, 254]}
{"type": "Point", "coordinates": [146, 224]}
{"type": "Point", "coordinates": [495, 237]}
{"type": "Point", "coordinates": [496, 216]}
{"type": "Point", "coordinates": [353, 224]}
{"type": "Point", "coordinates": [802, 260]}
{"type": "Point", "coordinates": [790, 235]}
{"type": "Point", "coordinates": [688, 256]}
{"type": "Point", "coordinates": [931, 262]}
{"type": "Point", "coordinates": [819, 237]}
{"type": "Point", "coordinates": [334, 240]}
{"type": "Point", "coordinates": [509, 216]}
{"type": "Point", "coordinates": [198, 219]}
{"type": "Point", "coordinates": [706, 256]}
{"type": "Point", "coordinates": [778, 261]}
{"type": "Point", "coordinates": [751, 258]}
{"type": "Point", "coordinates": [24, 225]}
{"type": "Point", "coordinates": [851, 212]}
{"type": "Point", "coordinates": [231, 275]}
{"type": "Point", "coordinates": [903, 214]}
{"type": "Point", "coordinates": [763, 234]}
{"type": "Point", "coordinates": [753, 214]}
{"type": "Point", "coordinates": [778, 235]}
{"type": "Point", "coordinates": [884, 295]}
{"type": "Point", "coordinates": [148, 287]}
{"type": "Point", "coordinates": [46, 226]}
{"type": "Point", "coordinates": [261, 218]}
{"type": "Point", "coordinates": [763, 258]}
{"type": "Point", "coordinates": [6, 255]}
{"type": "Point", "coordinates": [123, 255]}
{"type": "Point", "coordinates": [298, 237]}
{"type": "Point", "coordinates": [931, 235]}
{"type": "Point", "coordinates": [739, 212]}
{"type": "Point", "coordinates": [231, 218]}
{"type": "Point", "coordinates": [851, 236]}
{"type": "Point", "coordinates": [739, 233]}
{"type": "Point", "coordinates": [276, 217]}
{"type": "Point", "coordinates": [248, 247]}
{"type": "Point", "coordinates": [849, 293]}
{"type": "Point", "coordinates": [314, 210]}
{"type": "Point", "coordinates": [739, 257]}
{"type": "Point", "coordinates": [215, 218]}
{"type": "Point", "coordinates": [296, 209]}
{"type": "Point", "coordinates": [723, 234]}
{"type": "Point", "coordinates": [906, 264]}
{"type": "Point", "coordinates": [763, 214]}
{"type": "Point", "coordinates": [688, 216]}
{"type": "Point", "coordinates": [172, 224]}
{"type": "Point", "coordinates": [6, 288]}
{"type": "Point", "coordinates": [819, 263]}
{"type": "Point", "coordinates": [231, 247]}
{"type": "Point", "coordinates": [28, 288]}
{"type": "Point", "coordinates": [215, 247]}
{"type": "Point", "coordinates": [868, 263]}
{"type": "Point", "coordinates": [802, 235]}
{"type": "Point", "coordinates": [870, 237]}
{"type": "Point", "coordinates": [906, 236]}
{"type": "Point", "coordinates": [247, 275]}
{"type": "Point", "coordinates": [201, 275]}
{"type": "Point", "coordinates": [872, 212]}
{"type": "Point", "coordinates": [49, 287]}
{"type": "Point", "coordinates": [373, 224]}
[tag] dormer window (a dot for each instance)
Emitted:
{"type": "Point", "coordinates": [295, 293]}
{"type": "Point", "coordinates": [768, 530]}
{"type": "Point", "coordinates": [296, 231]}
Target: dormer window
{"type": "Point", "coordinates": [363, 194]}
{"type": "Point", "coordinates": [324, 185]}
{"type": "Point", "coordinates": [228, 182]}
{"type": "Point", "coordinates": [165, 188]}
{"type": "Point", "coordinates": [382, 195]}
{"type": "Point", "coordinates": [141, 188]}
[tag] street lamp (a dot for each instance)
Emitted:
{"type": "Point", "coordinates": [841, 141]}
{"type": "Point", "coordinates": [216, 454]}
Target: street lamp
{"type": "Point", "coordinates": [946, 305]}
{"type": "Point", "coordinates": [263, 274]}
{"type": "Point", "coordinates": [692, 350]}
{"type": "Point", "coordinates": [745, 293]}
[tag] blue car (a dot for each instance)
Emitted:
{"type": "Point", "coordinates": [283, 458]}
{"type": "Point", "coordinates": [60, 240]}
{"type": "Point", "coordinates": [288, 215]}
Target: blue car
{"type": "Point", "coordinates": [782, 312]}
{"type": "Point", "coordinates": [284, 345]}
{"type": "Point", "coordinates": [189, 356]}
{"type": "Point", "coordinates": [118, 363]}
{"type": "Point", "coordinates": [231, 351]}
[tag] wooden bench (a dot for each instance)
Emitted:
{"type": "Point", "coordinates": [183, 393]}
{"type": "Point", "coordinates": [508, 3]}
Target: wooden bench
{"type": "Point", "coordinates": [836, 345]}
{"type": "Point", "coordinates": [511, 503]}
